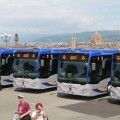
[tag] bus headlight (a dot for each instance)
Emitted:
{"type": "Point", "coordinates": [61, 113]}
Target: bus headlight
{"type": "Point", "coordinates": [58, 89]}
{"type": "Point", "coordinates": [109, 88]}
{"type": "Point", "coordinates": [14, 83]}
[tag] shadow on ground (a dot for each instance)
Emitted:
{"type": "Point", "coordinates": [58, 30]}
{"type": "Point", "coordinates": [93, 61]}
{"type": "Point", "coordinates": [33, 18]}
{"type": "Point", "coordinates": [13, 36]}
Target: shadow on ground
{"type": "Point", "coordinates": [34, 91]}
{"type": "Point", "coordinates": [76, 97]}
{"type": "Point", "coordinates": [97, 107]}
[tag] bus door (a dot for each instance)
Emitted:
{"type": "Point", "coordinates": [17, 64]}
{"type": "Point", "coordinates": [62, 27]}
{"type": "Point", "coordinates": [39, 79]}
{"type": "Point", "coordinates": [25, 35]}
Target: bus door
{"type": "Point", "coordinates": [7, 64]}
{"type": "Point", "coordinates": [6, 69]}
{"type": "Point", "coordinates": [100, 71]}
{"type": "Point", "coordinates": [48, 65]}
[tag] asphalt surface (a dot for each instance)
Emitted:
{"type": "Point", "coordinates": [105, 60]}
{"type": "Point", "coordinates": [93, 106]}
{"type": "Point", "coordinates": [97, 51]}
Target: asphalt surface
{"type": "Point", "coordinates": [66, 107]}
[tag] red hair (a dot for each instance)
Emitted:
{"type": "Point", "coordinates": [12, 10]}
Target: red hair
{"type": "Point", "coordinates": [38, 104]}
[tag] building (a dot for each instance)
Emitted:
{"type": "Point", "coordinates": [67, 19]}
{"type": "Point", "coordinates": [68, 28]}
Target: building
{"type": "Point", "coordinates": [97, 41]}
{"type": "Point", "coordinates": [16, 40]}
{"type": "Point", "coordinates": [73, 42]}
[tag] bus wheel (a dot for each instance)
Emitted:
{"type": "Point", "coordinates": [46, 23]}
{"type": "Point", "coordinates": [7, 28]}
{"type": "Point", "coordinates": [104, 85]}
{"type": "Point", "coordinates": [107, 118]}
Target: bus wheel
{"type": "Point", "coordinates": [0, 86]}
{"type": "Point", "coordinates": [58, 94]}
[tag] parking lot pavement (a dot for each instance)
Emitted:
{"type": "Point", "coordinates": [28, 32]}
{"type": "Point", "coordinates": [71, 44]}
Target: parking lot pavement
{"type": "Point", "coordinates": [60, 108]}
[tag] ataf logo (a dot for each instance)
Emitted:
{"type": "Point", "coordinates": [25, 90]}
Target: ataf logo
{"type": "Point", "coordinates": [70, 87]}
{"type": "Point", "coordinates": [23, 82]}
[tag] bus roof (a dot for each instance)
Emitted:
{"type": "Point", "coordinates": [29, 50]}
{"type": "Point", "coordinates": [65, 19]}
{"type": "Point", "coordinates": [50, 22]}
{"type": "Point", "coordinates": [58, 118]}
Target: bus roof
{"type": "Point", "coordinates": [68, 50]}
{"type": "Point", "coordinates": [44, 50]}
{"type": "Point", "coordinates": [8, 50]}
{"type": "Point", "coordinates": [93, 51]}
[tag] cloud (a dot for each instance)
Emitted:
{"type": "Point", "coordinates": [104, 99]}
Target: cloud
{"type": "Point", "coordinates": [58, 16]}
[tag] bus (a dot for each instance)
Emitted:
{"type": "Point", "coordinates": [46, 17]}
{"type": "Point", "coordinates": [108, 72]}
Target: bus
{"type": "Point", "coordinates": [84, 72]}
{"type": "Point", "coordinates": [36, 68]}
{"type": "Point", "coordinates": [6, 63]}
{"type": "Point", "coordinates": [114, 88]}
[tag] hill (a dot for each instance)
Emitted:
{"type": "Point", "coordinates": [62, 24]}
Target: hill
{"type": "Point", "coordinates": [108, 35]}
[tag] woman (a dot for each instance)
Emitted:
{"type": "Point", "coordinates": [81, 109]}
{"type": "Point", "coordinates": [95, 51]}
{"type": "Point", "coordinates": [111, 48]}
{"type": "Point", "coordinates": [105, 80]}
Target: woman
{"type": "Point", "coordinates": [39, 113]}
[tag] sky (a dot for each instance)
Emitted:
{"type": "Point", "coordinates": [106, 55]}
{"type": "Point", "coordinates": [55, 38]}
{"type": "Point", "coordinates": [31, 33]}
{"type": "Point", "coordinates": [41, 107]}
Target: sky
{"type": "Point", "coordinates": [34, 18]}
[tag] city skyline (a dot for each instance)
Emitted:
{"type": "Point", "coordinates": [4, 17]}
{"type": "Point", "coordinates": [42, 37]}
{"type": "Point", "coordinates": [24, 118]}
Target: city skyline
{"type": "Point", "coordinates": [36, 18]}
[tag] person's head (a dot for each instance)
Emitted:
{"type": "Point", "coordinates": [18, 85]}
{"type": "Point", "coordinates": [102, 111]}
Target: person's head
{"type": "Point", "coordinates": [20, 97]}
{"type": "Point", "coordinates": [39, 106]}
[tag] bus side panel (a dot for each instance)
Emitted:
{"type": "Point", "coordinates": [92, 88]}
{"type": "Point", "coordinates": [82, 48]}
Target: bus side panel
{"type": "Point", "coordinates": [49, 82]}
{"type": "Point", "coordinates": [7, 80]}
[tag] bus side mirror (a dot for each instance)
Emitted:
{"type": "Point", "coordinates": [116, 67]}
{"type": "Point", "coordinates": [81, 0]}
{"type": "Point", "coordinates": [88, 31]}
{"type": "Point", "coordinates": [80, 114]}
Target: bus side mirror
{"type": "Point", "coordinates": [103, 64]}
{"type": "Point", "coordinates": [42, 63]}
{"type": "Point", "coordinates": [51, 65]}
{"type": "Point", "coordinates": [93, 66]}
{"type": "Point", "coordinates": [7, 60]}
{"type": "Point", "coordinates": [3, 61]}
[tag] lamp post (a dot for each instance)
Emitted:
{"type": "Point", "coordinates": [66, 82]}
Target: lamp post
{"type": "Point", "coordinates": [6, 38]}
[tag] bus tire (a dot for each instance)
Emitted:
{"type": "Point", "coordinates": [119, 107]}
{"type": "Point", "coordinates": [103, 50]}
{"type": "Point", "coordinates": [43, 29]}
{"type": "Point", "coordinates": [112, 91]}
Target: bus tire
{"type": "Point", "coordinates": [58, 94]}
{"type": "Point", "coordinates": [0, 86]}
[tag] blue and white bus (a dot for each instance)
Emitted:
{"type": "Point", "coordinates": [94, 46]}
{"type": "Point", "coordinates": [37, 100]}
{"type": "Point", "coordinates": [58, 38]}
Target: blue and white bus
{"type": "Point", "coordinates": [36, 68]}
{"type": "Point", "coordinates": [6, 65]}
{"type": "Point", "coordinates": [84, 72]}
{"type": "Point", "coordinates": [114, 87]}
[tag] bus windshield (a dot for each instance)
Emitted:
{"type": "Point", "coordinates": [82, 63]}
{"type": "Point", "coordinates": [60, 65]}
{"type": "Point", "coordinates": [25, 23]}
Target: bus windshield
{"type": "Point", "coordinates": [25, 68]}
{"type": "Point", "coordinates": [116, 74]}
{"type": "Point", "coordinates": [73, 72]}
